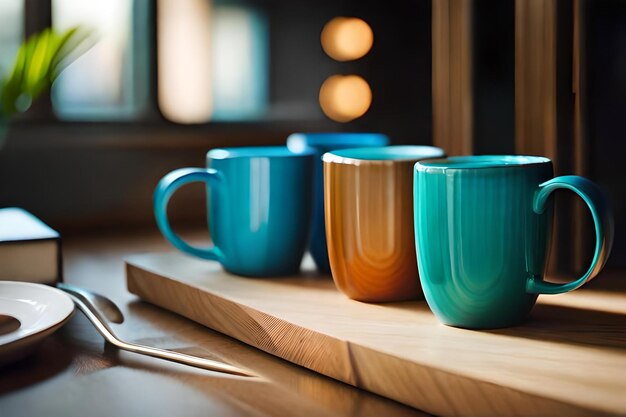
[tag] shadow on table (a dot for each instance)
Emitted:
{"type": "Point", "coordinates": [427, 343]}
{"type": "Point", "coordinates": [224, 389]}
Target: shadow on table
{"type": "Point", "coordinates": [572, 325]}
{"type": "Point", "coordinates": [50, 359]}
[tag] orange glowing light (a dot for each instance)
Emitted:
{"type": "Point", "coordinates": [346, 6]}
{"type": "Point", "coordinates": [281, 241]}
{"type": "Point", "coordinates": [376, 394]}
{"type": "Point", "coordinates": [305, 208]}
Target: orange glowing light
{"type": "Point", "coordinates": [344, 98]}
{"type": "Point", "coordinates": [347, 38]}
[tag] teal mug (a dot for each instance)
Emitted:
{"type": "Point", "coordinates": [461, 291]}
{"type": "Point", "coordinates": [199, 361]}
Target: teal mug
{"type": "Point", "coordinates": [259, 208]}
{"type": "Point", "coordinates": [482, 228]}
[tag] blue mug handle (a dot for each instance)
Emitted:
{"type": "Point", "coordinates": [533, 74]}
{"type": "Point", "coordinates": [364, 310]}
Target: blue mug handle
{"type": "Point", "coordinates": [164, 191]}
{"type": "Point", "coordinates": [602, 218]}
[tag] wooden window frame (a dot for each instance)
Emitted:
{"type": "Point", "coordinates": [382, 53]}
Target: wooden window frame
{"type": "Point", "coordinates": [549, 110]}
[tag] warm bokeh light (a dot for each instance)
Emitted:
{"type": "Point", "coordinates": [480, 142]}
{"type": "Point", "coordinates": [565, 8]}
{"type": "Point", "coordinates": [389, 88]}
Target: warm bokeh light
{"type": "Point", "coordinates": [184, 54]}
{"type": "Point", "coordinates": [347, 38]}
{"type": "Point", "coordinates": [344, 98]}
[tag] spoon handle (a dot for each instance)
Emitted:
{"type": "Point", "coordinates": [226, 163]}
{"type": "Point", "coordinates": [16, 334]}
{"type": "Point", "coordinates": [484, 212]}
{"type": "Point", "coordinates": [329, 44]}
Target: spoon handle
{"type": "Point", "coordinates": [104, 329]}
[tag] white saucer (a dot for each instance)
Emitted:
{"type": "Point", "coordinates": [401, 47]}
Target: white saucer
{"type": "Point", "coordinates": [41, 311]}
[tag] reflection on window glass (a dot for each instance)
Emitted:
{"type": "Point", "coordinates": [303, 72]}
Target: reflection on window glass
{"type": "Point", "coordinates": [11, 32]}
{"type": "Point", "coordinates": [110, 80]}
{"type": "Point", "coordinates": [239, 63]}
{"type": "Point", "coordinates": [212, 61]}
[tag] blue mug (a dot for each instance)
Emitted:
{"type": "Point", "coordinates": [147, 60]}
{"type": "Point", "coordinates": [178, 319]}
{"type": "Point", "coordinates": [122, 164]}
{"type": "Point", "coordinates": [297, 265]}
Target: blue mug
{"type": "Point", "coordinates": [321, 143]}
{"type": "Point", "coordinates": [259, 208]}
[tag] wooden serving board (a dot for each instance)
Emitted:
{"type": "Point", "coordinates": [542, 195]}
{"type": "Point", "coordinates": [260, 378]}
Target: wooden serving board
{"type": "Point", "coordinates": [569, 359]}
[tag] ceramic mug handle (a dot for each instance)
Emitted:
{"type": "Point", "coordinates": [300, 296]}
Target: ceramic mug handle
{"type": "Point", "coordinates": [603, 221]}
{"type": "Point", "coordinates": [164, 191]}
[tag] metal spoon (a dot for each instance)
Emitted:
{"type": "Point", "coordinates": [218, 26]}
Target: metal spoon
{"type": "Point", "coordinates": [102, 303]}
{"type": "Point", "coordinates": [8, 324]}
{"type": "Point", "coordinates": [92, 313]}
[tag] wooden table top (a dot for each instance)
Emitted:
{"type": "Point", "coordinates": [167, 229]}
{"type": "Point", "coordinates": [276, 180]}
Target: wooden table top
{"type": "Point", "coordinates": [75, 374]}
{"type": "Point", "coordinates": [567, 359]}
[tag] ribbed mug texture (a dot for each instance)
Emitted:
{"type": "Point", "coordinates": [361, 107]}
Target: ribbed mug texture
{"type": "Point", "coordinates": [369, 228]}
{"type": "Point", "coordinates": [479, 240]}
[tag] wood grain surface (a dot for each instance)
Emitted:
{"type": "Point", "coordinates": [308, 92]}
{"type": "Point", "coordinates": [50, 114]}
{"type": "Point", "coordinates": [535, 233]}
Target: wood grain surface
{"type": "Point", "coordinates": [452, 90]}
{"type": "Point", "coordinates": [568, 359]}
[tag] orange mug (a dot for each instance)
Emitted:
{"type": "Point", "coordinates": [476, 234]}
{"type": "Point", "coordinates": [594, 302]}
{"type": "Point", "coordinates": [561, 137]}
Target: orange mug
{"type": "Point", "coordinates": [368, 195]}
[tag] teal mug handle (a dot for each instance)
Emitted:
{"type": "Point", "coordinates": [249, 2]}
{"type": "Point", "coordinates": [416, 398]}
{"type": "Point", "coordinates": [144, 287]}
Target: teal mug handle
{"type": "Point", "coordinates": [603, 221]}
{"type": "Point", "coordinates": [164, 191]}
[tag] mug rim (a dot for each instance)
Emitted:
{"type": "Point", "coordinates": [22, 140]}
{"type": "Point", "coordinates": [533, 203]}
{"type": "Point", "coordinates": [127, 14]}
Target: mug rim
{"type": "Point", "coordinates": [303, 140]}
{"type": "Point", "coordinates": [256, 152]}
{"type": "Point", "coordinates": [384, 154]}
{"type": "Point", "coordinates": [472, 162]}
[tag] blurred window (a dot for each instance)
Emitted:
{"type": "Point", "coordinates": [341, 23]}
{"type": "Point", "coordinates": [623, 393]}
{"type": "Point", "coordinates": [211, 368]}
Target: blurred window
{"type": "Point", "coordinates": [11, 32]}
{"type": "Point", "coordinates": [240, 63]}
{"type": "Point", "coordinates": [184, 60]}
{"type": "Point", "coordinates": [110, 81]}
{"type": "Point", "coordinates": [213, 61]}
{"type": "Point", "coordinates": [212, 58]}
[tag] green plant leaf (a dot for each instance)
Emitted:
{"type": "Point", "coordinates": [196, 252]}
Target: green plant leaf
{"type": "Point", "coordinates": [13, 85]}
{"type": "Point", "coordinates": [38, 62]}
{"type": "Point", "coordinates": [38, 68]}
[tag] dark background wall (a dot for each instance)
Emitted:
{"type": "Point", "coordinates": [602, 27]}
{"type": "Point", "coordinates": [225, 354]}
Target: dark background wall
{"type": "Point", "coordinates": [493, 73]}
{"type": "Point", "coordinates": [397, 68]}
{"type": "Point", "coordinates": [606, 109]}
